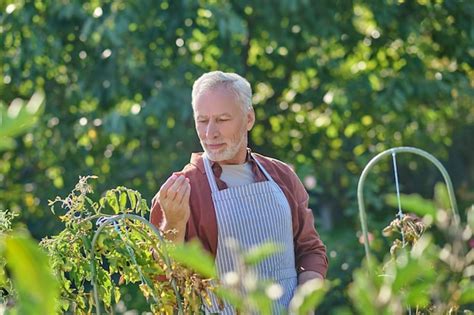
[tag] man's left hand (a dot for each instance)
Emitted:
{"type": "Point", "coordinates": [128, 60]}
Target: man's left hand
{"type": "Point", "coordinates": [306, 276]}
{"type": "Point", "coordinates": [309, 275]}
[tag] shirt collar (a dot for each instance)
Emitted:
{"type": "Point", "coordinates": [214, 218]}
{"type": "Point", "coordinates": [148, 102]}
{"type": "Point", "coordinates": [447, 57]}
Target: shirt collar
{"type": "Point", "coordinates": [198, 161]}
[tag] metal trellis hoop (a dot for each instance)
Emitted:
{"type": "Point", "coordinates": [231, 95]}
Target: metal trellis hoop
{"type": "Point", "coordinates": [377, 158]}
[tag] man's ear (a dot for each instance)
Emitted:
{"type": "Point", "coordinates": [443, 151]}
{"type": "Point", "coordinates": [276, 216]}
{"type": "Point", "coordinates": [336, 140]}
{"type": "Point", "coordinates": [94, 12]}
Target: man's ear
{"type": "Point", "coordinates": [250, 119]}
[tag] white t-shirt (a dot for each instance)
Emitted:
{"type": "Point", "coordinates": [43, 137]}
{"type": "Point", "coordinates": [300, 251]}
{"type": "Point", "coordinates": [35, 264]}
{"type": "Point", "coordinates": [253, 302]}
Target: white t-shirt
{"type": "Point", "coordinates": [237, 175]}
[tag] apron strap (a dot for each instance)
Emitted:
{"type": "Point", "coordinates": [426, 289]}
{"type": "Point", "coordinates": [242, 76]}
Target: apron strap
{"type": "Point", "coordinates": [210, 174]}
{"type": "Point", "coordinates": [262, 168]}
{"type": "Point", "coordinates": [211, 177]}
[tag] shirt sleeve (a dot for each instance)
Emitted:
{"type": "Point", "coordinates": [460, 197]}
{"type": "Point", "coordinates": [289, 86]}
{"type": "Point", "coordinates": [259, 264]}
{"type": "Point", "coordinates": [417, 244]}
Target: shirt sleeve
{"type": "Point", "coordinates": [310, 252]}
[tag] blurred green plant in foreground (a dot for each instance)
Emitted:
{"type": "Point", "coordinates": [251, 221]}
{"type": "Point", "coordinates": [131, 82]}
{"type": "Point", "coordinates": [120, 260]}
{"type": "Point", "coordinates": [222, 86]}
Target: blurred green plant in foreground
{"type": "Point", "coordinates": [31, 279]}
{"type": "Point", "coordinates": [124, 255]}
{"type": "Point", "coordinates": [33, 289]}
{"type": "Point", "coordinates": [428, 272]}
{"type": "Point", "coordinates": [17, 118]}
{"type": "Point", "coordinates": [24, 269]}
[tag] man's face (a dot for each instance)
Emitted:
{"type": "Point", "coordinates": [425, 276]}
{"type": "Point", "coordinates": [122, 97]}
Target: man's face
{"type": "Point", "coordinates": [222, 126]}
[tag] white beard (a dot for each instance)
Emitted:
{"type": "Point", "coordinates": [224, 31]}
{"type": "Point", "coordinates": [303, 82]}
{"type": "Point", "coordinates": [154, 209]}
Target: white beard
{"type": "Point", "coordinates": [228, 153]}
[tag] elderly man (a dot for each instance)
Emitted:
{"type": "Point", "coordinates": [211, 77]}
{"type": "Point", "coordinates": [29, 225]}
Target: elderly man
{"type": "Point", "coordinates": [228, 192]}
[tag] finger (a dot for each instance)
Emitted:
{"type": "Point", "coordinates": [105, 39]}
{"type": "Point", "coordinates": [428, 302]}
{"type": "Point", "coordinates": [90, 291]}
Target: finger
{"type": "Point", "coordinates": [176, 188]}
{"type": "Point", "coordinates": [165, 187]}
{"type": "Point", "coordinates": [186, 193]}
{"type": "Point", "coordinates": [155, 199]}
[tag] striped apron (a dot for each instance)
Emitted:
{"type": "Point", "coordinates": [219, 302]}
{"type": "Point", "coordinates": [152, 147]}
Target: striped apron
{"type": "Point", "coordinates": [251, 215]}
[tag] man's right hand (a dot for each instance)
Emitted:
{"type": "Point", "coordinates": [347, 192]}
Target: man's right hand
{"type": "Point", "coordinates": [174, 201]}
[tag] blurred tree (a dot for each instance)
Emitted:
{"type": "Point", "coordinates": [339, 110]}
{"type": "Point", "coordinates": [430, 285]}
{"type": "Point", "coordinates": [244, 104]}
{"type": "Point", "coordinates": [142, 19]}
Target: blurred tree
{"type": "Point", "coordinates": [335, 82]}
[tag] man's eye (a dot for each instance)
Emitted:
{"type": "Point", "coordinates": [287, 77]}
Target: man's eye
{"type": "Point", "coordinates": [202, 121]}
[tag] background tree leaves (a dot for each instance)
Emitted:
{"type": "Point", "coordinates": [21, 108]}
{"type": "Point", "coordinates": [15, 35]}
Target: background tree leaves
{"type": "Point", "coordinates": [334, 83]}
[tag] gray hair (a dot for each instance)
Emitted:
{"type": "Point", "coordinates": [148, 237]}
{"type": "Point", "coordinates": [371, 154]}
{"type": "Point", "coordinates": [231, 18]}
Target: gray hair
{"type": "Point", "coordinates": [234, 82]}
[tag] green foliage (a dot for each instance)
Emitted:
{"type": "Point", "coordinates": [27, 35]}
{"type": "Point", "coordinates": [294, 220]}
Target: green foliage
{"type": "Point", "coordinates": [414, 203]}
{"type": "Point", "coordinates": [193, 256]}
{"type": "Point", "coordinates": [429, 277]}
{"type": "Point", "coordinates": [29, 287]}
{"type": "Point", "coordinates": [249, 294]}
{"type": "Point", "coordinates": [36, 288]}
{"type": "Point", "coordinates": [334, 83]}
{"type": "Point", "coordinates": [18, 118]}
{"type": "Point", "coordinates": [123, 255]}
{"type": "Point", "coordinates": [6, 218]}
{"type": "Point", "coordinates": [419, 205]}
{"type": "Point", "coordinates": [259, 253]}
{"type": "Point", "coordinates": [308, 296]}
{"type": "Point", "coordinates": [30, 283]}
{"type": "Point", "coordinates": [5, 283]}
{"type": "Point", "coordinates": [124, 251]}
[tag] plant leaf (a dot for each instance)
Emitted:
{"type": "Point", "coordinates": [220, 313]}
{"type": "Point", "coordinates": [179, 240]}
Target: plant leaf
{"type": "Point", "coordinates": [123, 201]}
{"type": "Point", "coordinates": [193, 256]}
{"type": "Point", "coordinates": [441, 196]}
{"type": "Point", "coordinates": [133, 199]}
{"type": "Point", "coordinates": [259, 253]}
{"type": "Point", "coordinates": [112, 201]}
{"type": "Point", "coordinates": [37, 288]}
{"type": "Point", "coordinates": [7, 143]}
{"type": "Point", "coordinates": [308, 296]}
{"type": "Point", "coordinates": [412, 203]}
{"type": "Point", "coordinates": [19, 117]}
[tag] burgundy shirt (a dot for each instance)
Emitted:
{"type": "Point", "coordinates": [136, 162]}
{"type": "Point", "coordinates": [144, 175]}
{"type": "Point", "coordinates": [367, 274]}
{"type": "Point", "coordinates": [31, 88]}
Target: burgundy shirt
{"type": "Point", "coordinates": [310, 252]}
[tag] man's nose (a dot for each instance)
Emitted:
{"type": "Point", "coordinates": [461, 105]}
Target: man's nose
{"type": "Point", "coordinates": [211, 131]}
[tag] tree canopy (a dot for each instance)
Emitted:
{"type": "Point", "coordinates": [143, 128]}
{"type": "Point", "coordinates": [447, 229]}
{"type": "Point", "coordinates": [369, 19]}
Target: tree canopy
{"type": "Point", "coordinates": [334, 83]}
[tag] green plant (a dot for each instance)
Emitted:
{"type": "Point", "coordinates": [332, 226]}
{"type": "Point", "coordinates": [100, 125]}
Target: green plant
{"type": "Point", "coordinates": [249, 294]}
{"type": "Point", "coordinates": [425, 274]}
{"type": "Point", "coordinates": [246, 292]}
{"type": "Point", "coordinates": [409, 227]}
{"type": "Point", "coordinates": [128, 252]}
{"type": "Point", "coordinates": [29, 287]}
{"type": "Point", "coordinates": [123, 255]}
{"type": "Point", "coordinates": [6, 288]}
{"type": "Point", "coordinates": [334, 83]}
{"type": "Point", "coordinates": [17, 118]}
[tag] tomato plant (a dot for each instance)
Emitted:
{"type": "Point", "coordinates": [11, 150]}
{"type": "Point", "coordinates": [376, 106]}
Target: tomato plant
{"type": "Point", "coordinates": [122, 255]}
